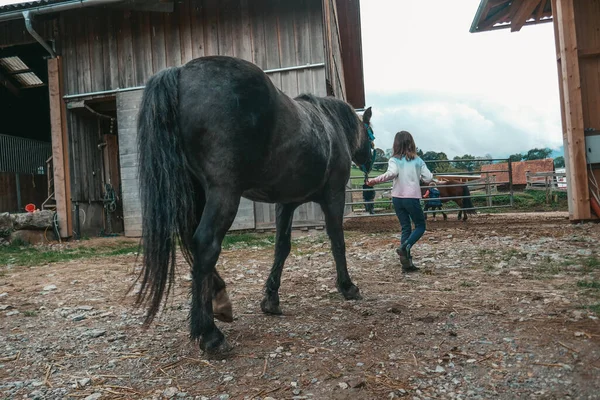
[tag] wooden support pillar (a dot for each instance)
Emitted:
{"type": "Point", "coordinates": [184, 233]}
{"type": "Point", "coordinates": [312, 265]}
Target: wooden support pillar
{"type": "Point", "coordinates": [572, 110]}
{"type": "Point", "coordinates": [60, 148]}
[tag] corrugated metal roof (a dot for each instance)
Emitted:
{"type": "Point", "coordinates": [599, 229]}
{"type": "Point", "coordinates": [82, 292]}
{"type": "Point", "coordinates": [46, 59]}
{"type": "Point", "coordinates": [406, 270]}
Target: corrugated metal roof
{"type": "Point", "coordinates": [12, 64]}
{"type": "Point", "coordinates": [22, 5]}
{"type": "Point", "coordinates": [28, 79]}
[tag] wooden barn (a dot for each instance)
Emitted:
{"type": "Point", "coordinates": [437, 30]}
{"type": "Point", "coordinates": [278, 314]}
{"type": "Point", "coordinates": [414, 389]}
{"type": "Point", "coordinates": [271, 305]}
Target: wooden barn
{"type": "Point", "coordinates": [74, 70]}
{"type": "Point", "coordinates": [577, 38]}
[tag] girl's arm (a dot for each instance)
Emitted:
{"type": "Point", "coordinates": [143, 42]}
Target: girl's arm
{"type": "Point", "coordinates": [390, 174]}
{"type": "Point", "coordinates": [426, 175]}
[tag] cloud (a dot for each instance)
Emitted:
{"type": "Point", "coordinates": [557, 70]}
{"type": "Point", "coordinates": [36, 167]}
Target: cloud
{"type": "Point", "coordinates": [458, 92]}
{"type": "Point", "coordinates": [459, 125]}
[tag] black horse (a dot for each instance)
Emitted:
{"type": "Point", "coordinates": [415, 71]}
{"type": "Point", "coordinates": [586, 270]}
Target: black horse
{"type": "Point", "coordinates": [217, 129]}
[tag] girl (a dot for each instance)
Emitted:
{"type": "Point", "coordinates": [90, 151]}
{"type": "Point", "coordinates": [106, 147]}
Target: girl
{"type": "Point", "coordinates": [407, 170]}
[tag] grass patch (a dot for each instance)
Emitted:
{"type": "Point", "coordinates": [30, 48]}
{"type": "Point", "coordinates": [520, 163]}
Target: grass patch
{"type": "Point", "coordinates": [589, 284]}
{"type": "Point", "coordinates": [235, 240]}
{"type": "Point", "coordinates": [30, 314]}
{"type": "Point", "coordinates": [31, 255]}
{"type": "Point", "coordinates": [468, 284]}
{"type": "Point", "coordinates": [593, 307]}
{"type": "Point", "coordinates": [591, 263]}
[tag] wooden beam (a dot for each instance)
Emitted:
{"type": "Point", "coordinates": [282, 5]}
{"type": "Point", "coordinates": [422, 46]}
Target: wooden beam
{"type": "Point", "coordinates": [60, 153]}
{"type": "Point", "coordinates": [540, 10]}
{"type": "Point", "coordinates": [491, 20]}
{"type": "Point", "coordinates": [4, 81]}
{"type": "Point", "coordinates": [575, 152]}
{"type": "Point", "coordinates": [523, 13]}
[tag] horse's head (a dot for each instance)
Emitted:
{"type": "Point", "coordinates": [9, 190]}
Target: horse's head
{"type": "Point", "coordinates": [364, 154]}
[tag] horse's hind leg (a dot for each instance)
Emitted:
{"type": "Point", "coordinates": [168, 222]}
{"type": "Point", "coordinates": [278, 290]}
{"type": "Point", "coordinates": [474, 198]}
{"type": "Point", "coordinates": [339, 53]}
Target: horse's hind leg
{"type": "Point", "coordinates": [219, 213]}
{"type": "Point", "coordinates": [333, 208]}
{"type": "Point", "coordinates": [283, 246]}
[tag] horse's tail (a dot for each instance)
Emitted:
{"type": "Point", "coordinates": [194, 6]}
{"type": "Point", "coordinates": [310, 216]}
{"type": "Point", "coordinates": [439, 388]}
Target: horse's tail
{"type": "Point", "coordinates": [166, 188]}
{"type": "Point", "coordinates": [467, 203]}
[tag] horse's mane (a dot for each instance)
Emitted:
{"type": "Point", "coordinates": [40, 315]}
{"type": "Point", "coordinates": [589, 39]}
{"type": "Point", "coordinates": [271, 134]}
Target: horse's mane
{"type": "Point", "coordinates": [340, 113]}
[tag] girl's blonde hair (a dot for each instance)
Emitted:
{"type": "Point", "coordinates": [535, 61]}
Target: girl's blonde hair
{"type": "Point", "coordinates": [404, 146]}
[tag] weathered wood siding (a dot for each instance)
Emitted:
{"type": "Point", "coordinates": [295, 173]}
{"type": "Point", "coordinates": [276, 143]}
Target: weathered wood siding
{"type": "Point", "coordinates": [587, 17]}
{"type": "Point", "coordinates": [128, 104]}
{"type": "Point", "coordinates": [34, 189]}
{"type": "Point", "coordinates": [13, 33]}
{"type": "Point", "coordinates": [333, 46]}
{"type": "Point", "coordinates": [107, 49]}
{"type": "Point", "coordinates": [85, 157]}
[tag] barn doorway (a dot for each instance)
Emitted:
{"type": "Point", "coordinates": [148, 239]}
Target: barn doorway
{"type": "Point", "coordinates": [96, 178]}
{"type": "Point", "coordinates": [25, 133]}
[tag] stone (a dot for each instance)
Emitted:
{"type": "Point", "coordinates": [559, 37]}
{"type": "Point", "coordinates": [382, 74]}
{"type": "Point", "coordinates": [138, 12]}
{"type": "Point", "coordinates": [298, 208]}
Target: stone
{"type": "Point", "coordinates": [7, 224]}
{"type": "Point", "coordinates": [11, 313]}
{"type": "Point", "coordinates": [170, 392]}
{"type": "Point", "coordinates": [343, 385]}
{"type": "Point", "coordinates": [94, 396]}
{"type": "Point", "coordinates": [84, 382]}
{"type": "Point", "coordinates": [28, 236]}
{"type": "Point", "coordinates": [96, 333]}
{"type": "Point", "coordinates": [37, 220]}
{"type": "Point", "coordinates": [50, 288]}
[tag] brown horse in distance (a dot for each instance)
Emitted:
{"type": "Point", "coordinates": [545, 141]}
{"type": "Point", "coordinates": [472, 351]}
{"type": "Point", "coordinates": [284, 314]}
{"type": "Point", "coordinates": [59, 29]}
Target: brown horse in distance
{"type": "Point", "coordinates": [464, 203]}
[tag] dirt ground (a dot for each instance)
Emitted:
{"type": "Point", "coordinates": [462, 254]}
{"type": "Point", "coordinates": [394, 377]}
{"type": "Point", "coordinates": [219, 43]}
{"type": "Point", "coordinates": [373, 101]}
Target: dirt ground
{"type": "Point", "coordinates": [506, 307]}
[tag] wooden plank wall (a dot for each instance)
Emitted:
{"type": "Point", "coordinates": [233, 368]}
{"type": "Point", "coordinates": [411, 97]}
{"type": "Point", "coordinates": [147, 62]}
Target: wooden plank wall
{"type": "Point", "coordinates": [85, 157]}
{"type": "Point", "coordinates": [34, 189]}
{"type": "Point", "coordinates": [13, 32]}
{"type": "Point", "coordinates": [128, 104]}
{"type": "Point", "coordinates": [333, 46]}
{"type": "Point", "coordinates": [587, 17]}
{"type": "Point", "coordinates": [106, 49]}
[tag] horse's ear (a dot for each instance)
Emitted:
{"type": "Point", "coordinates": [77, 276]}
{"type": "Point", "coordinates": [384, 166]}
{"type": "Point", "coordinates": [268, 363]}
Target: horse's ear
{"type": "Point", "coordinates": [367, 116]}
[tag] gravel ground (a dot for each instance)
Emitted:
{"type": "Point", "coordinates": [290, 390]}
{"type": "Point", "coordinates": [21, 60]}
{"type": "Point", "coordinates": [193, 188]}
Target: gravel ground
{"type": "Point", "coordinates": [506, 307]}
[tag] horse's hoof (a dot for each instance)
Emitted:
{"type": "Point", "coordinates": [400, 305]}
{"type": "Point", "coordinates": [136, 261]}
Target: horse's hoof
{"type": "Point", "coordinates": [270, 307]}
{"type": "Point", "coordinates": [222, 309]}
{"type": "Point", "coordinates": [352, 293]}
{"type": "Point", "coordinates": [215, 344]}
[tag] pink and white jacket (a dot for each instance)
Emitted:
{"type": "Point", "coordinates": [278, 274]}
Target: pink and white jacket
{"type": "Point", "coordinates": [407, 176]}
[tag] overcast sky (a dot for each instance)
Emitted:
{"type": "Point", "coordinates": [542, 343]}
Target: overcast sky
{"type": "Point", "coordinates": [455, 91]}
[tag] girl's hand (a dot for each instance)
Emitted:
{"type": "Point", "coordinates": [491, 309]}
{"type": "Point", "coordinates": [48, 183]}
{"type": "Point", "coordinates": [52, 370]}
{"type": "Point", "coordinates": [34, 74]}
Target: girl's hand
{"type": "Point", "coordinates": [370, 182]}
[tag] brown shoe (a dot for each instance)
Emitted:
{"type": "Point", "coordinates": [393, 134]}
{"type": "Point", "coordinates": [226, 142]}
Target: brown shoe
{"type": "Point", "coordinates": [410, 268]}
{"type": "Point", "coordinates": [404, 260]}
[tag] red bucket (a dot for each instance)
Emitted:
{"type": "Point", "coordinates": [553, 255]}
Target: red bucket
{"type": "Point", "coordinates": [30, 207]}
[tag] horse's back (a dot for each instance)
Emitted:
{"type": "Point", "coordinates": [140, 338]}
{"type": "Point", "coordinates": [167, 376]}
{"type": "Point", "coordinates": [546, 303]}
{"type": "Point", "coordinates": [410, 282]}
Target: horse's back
{"type": "Point", "coordinates": [227, 108]}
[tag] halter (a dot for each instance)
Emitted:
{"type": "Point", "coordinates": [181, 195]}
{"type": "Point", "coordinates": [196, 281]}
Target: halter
{"type": "Point", "coordinates": [371, 136]}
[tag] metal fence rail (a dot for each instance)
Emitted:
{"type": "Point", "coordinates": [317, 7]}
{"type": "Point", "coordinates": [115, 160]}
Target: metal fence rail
{"type": "Point", "coordinates": [484, 187]}
{"type": "Point", "coordinates": [23, 156]}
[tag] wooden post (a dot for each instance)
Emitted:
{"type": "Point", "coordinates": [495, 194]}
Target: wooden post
{"type": "Point", "coordinates": [572, 108]}
{"type": "Point", "coordinates": [60, 149]}
{"type": "Point", "coordinates": [18, 190]}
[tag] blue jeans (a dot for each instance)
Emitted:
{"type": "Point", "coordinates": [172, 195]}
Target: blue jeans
{"type": "Point", "coordinates": [407, 210]}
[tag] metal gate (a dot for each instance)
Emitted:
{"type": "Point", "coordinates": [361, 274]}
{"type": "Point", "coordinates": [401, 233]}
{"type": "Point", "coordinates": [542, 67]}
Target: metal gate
{"type": "Point", "coordinates": [484, 186]}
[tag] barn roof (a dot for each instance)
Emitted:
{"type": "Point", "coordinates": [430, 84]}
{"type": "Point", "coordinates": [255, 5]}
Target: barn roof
{"type": "Point", "coordinates": [23, 5]}
{"type": "Point", "coordinates": [513, 14]}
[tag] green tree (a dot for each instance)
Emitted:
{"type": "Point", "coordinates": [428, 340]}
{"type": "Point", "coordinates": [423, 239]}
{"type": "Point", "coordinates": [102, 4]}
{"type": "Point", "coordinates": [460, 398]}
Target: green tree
{"type": "Point", "coordinates": [380, 157]}
{"type": "Point", "coordinates": [432, 156]}
{"type": "Point", "coordinates": [516, 157]}
{"type": "Point", "coordinates": [538, 154]}
{"type": "Point", "coordinates": [559, 162]}
{"type": "Point", "coordinates": [464, 162]}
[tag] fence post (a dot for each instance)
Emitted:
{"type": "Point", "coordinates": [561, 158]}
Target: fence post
{"type": "Point", "coordinates": [488, 189]}
{"type": "Point", "coordinates": [510, 183]}
{"type": "Point", "coordinates": [18, 186]}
